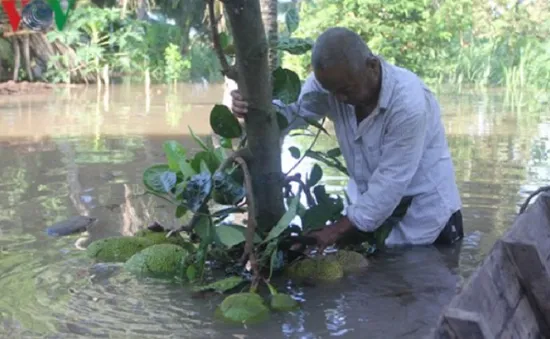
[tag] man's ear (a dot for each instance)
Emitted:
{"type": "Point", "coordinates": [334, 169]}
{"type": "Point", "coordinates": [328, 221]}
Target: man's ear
{"type": "Point", "coordinates": [372, 62]}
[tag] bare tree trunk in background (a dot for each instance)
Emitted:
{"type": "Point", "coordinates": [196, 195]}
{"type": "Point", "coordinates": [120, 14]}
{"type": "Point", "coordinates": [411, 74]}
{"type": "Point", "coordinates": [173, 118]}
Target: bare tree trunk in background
{"type": "Point", "coordinates": [17, 58]}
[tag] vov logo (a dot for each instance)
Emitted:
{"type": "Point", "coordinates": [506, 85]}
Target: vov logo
{"type": "Point", "coordinates": [41, 10]}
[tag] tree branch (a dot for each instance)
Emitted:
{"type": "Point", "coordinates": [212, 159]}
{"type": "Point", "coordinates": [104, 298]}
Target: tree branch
{"type": "Point", "coordinates": [297, 179]}
{"type": "Point", "coordinates": [307, 150]}
{"type": "Point", "coordinates": [189, 227]}
{"type": "Point", "coordinates": [243, 153]}
{"type": "Point", "coordinates": [227, 70]}
{"type": "Point", "coordinates": [252, 223]}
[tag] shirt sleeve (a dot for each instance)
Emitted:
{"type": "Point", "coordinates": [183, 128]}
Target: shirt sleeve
{"type": "Point", "coordinates": [402, 150]}
{"type": "Point", "coordinates": [313, 107]}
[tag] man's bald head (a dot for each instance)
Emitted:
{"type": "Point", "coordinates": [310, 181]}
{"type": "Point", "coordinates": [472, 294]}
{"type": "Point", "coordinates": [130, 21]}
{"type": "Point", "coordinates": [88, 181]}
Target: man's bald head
{"type": "Point", "coordinates": [339, 46]}
{"type": "Point", "coordinates": [346, 67]}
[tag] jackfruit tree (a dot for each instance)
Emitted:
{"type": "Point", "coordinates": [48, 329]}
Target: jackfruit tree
{"type": "Point", "coordinates": [243, 175]}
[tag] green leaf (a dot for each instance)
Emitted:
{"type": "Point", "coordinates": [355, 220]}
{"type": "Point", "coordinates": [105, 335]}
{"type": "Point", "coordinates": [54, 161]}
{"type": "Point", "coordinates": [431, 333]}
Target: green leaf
{"type": "Point", "coordinates": [224, 39]}
{"type": "Point", "coordinates": [198, 140]}
{"type": "Point", "coordinates": [220, 153]}
{"type": "Point", "coordinates": [317, 216]}
{"type": "Point", "coordinates": [204, 167]}
{"type": "Point", "coordinates": [285, 219]}
{"type": "Point", "coordinates": [292, 20]}
{"type": "Point", "coordinates": [231, 235]}
{"type": "Point", "coordinates": [197, 190]}
{"type": "Point", "coordinates": [321, 194]}
{"type": "Point", "coordinates": [224, 123]}
{"type": "Point", "coordinates": [180, 187]}
{"type": "Point", "coordinates": [226, 143]}
{"type": "Point", "coordinates": [191, 272]}
{"type": "Point", "coordinates": [181, 210]}
{"type": "Point", "coordinates": [175, 153]}
{"type": "Point", "coordinates": [315, 176]}
{"type": "Point", "coordinates": [211, 160]}
{"type": "Point", "coordinates": [159, 178]}
{"type": "Point", "coordinates": [286, 85]}
{"type": "Point", "coordinates": [273, 262]}
{"type": "Point", "coordinates": [205, 230]}
{"type": "Point", "coordinates": [186, 169]}
{"type": "Point", "coordinates": [294, 152]}
{"type": "Point", "coordinates": [294, 46]}
{"type": "Point", "coordinates": [335, 152]}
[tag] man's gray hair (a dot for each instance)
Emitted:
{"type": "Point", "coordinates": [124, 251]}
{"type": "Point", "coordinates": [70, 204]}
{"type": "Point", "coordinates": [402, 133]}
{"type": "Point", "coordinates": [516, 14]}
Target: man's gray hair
{"type": "Point", "coordinates": [339, 46]}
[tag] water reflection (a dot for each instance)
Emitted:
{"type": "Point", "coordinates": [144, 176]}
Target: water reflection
{"type": "Point", "coordinates": [82, 152]}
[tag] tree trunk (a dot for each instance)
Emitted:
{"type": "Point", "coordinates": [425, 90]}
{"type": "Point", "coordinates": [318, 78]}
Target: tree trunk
{"type": "Point", "coordinates": [269, 18]}
{"type": "Point", "coordinates": [17, 57]}
{"type": "Point", "coordinates": [27, 56]}
{"type": "Point", "coordinates": [261, 122]}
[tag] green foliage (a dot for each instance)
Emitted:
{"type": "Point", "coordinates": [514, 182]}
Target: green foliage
{"type": "Point", "coordinates": [129, 46]}
{"type": "Point", "coordinates": [450, 41]}
{"type": "Point", "coordinates": [177, 68]}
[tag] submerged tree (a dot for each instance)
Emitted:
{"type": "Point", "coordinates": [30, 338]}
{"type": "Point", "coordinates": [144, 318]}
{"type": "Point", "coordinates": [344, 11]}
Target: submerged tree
{"type": "Point", "coordinates": [241, 175]}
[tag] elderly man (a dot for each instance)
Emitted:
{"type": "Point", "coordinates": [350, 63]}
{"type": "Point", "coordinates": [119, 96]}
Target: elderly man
{"type": "Point", "coordinates": [390, 132]}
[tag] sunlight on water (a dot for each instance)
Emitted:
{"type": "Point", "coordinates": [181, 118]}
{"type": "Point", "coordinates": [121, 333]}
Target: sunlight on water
{"type": "Point", "coordinates": [82, 152]}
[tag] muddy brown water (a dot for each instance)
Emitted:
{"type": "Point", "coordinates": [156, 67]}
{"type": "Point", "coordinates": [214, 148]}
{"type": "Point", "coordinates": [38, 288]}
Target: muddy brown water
{"type": "Point", "coordinates": [77, 151]}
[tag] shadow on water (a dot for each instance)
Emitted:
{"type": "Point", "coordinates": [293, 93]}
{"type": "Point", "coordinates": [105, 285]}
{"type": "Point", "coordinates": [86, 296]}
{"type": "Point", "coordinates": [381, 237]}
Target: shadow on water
{"type": "Point", "coordinates": [77, 152]}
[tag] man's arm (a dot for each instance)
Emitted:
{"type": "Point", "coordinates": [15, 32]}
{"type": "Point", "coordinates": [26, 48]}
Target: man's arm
{"type": "Point", "coordinates": [311, 107]}
{"type": "Point", "coordinates": [401, 154]}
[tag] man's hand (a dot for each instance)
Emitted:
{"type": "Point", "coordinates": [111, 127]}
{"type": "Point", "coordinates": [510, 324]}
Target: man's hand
{"type": "Point", "coordinates": [238, 105]}
{"type": "Point", "coordinates": [330, 234]}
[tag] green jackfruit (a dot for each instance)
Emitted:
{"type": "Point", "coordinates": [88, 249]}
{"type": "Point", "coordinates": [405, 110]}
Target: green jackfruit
{"type": "Point", "coordinates": [351, 261]}
{"type": "Point", "coordinates": [322, 268]}
{"type": "Point", "coordinates": [116, 249]}
{"type": "Point", "coordinates": [160, 238]}
{"type": "Point", "coordinates": [248, 308]}
{"type": "Point", "coordinates": [160, 260]}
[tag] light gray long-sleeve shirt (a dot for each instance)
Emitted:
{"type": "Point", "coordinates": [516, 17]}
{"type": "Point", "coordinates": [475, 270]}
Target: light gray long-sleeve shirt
{"type": "Point", "coordinates": [399, 150]}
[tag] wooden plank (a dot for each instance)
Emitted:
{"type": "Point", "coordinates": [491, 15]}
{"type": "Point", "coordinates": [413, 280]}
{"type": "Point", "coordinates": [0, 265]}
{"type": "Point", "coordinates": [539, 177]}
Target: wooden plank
{"type": "Point", "coordinates": [493, 291]}
{"type": "Point", "coordinates": [443, 331]}
{"type": "Point", "coordinates": [528, 247]}
{"type": "Point", "coordinates": [523, 324]}
{"type": "Point", "coordinates": [21, 32]}
{"type": "Point", "coordinates": [508, 296]}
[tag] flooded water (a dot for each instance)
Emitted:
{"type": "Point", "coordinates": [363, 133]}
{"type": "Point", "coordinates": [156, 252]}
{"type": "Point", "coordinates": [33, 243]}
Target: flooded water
{"type": "Point", "coordinates": [80, 152]}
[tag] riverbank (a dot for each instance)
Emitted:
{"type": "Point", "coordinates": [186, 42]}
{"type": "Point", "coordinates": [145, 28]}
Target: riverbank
{"type": "Point", "coordinates": [24, 87]}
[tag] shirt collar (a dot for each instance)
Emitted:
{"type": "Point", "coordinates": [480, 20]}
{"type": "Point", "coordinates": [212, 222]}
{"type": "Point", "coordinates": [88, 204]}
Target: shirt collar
{"type": "Point", "coordinates": [388, 84]}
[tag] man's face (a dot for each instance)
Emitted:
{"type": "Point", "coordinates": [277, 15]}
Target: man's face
{"type": "Point", "coordinates": [349, 87]}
